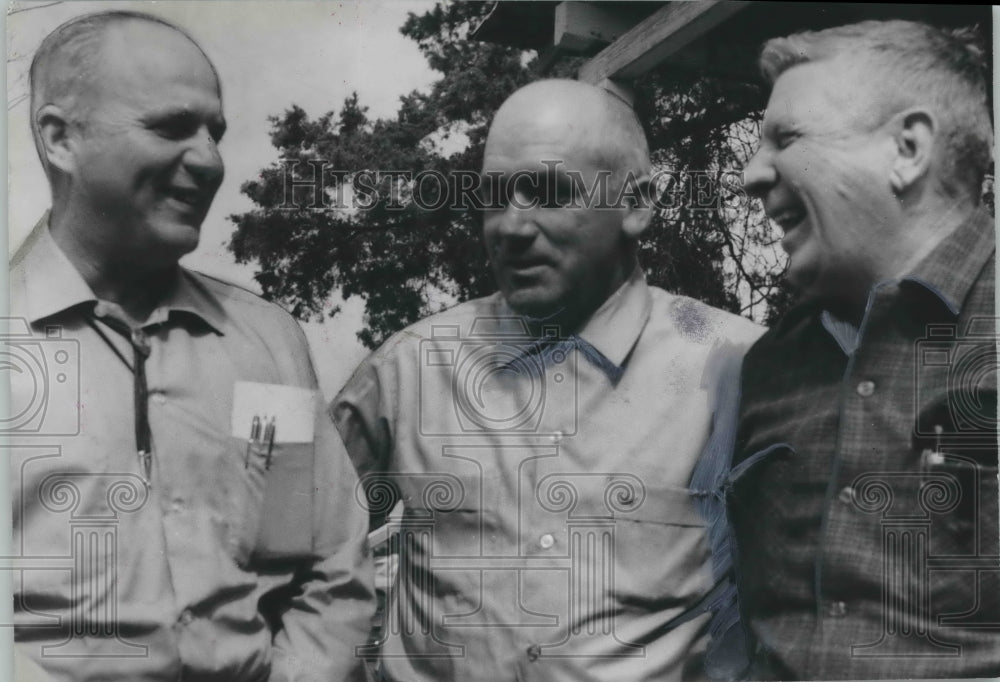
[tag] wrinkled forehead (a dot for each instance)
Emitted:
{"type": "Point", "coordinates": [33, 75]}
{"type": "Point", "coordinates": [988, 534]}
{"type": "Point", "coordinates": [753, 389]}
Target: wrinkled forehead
{"type": "Point", "coordinates": [842, 90]}
{"type": "Point", "coordinates": [575, 142]}
{"type": "Point", "coordinates": [531, 141]}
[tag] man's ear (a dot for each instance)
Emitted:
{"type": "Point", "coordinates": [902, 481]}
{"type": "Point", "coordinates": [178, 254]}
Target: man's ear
{"type": "Point", "coordinates": [54, 138]}
{"type": "Point", "coordinates": [914, 137]}
{"type": "Point", "coordinates": [635, 199]}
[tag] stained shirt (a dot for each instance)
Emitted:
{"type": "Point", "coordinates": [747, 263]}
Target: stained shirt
{"type": "Point", "coordinates": [863, 494]}
{"type": "Point", "coordinates": [548, 530]}
{"type": "Point", "coordinates": [222, 569]}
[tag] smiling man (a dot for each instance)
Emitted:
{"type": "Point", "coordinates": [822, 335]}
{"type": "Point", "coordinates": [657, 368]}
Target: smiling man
{"type": "Point", "coordinates": [165, 541]}
{"type": "Point", "coordinates": [864, 489]}
{"type": "Point", "coordinates": [542, 439]}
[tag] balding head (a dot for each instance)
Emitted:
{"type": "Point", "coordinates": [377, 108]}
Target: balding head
{"type": "Point", "coordinates": [128, 114]}
{"type": "Point", "coordinates": [574, 116]}
{"type": "Point", "coordinates": [568, 164]}
{"type": "Point", "coordinates": [67, 66]}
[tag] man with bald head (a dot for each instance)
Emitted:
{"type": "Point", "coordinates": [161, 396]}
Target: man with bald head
{"type": "Point", "coordinates": [542, 439]}
{"type": "Point", "coordinates": [168, 537]}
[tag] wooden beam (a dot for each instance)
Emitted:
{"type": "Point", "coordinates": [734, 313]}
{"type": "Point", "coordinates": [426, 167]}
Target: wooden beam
{"type": "Point", "coordinates": [657, 37]}
{"type": "Point", "coordinates": [619, 89]}
{"type": "Point", "coordinates": [583, 26]}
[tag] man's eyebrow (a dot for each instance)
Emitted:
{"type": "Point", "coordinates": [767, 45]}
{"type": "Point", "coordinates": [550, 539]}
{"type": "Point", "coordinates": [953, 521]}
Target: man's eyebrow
{"type": "Point", "coordinates": [771, 127]}
{"type": "Point", "coordinates": [167, 112]}
{"type": "Point", "coordinates": [184, 115]}
{"type": "Point", "coordinates": [558, 173]}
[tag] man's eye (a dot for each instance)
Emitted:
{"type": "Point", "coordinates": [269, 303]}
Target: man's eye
{"type": "Point", "coordinates": [174, 129]}
{"type": "Point", "coordinates": [490, 194]}
{"type": "Point", "coordinates": [784, 140]}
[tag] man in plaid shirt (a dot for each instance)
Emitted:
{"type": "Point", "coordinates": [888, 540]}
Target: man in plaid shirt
{"type": "Point", "coordinates": [863, 487]}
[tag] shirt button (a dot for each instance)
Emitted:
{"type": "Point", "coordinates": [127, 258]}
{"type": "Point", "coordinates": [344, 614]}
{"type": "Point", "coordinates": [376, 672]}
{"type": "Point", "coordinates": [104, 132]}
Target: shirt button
{"type": "Point", "coordinates": [866, 389]}
{"type": "Point", "coordinates": [547, 541]}
{"type": "Point", "coordinates": [557, 436]}
{"type": "Point", "coordinates": [177, 504]}
{"type": "Point", "coordinates": [837, 609]}
{"type": "Point", "coordinates": [159, 398]}
{"type": "Point", "coordinates": [933, 458]}
{"type": "Point", "coordinates": [534, 651]}
{"type": "Point", "coordinates": [846, 495]}
{"type": "Point", "coordinates": [186, 617]}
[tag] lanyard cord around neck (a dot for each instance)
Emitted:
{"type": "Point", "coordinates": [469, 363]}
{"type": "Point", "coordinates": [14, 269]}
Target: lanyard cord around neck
{"type": "Point", "coordinates": [140, 393]}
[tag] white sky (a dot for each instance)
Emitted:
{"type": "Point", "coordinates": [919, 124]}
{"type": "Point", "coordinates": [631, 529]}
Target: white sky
{"type": "Point", "coordinates": [269, 55]}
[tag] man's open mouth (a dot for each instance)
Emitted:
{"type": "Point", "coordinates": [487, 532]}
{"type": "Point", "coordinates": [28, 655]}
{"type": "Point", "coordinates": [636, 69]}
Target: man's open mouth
{"type": "Point", "coordinates": [191, 197]}
{"type": "Point", "coordinates": [788, 218]}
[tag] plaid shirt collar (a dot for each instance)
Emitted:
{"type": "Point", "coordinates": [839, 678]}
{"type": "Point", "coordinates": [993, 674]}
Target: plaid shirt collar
{"type": "Point", "coordinates": [950, 270]}
{"type": "Point", "coordinates": [947, 272]}
{"type": "Point", "coordinates": [53, 285]}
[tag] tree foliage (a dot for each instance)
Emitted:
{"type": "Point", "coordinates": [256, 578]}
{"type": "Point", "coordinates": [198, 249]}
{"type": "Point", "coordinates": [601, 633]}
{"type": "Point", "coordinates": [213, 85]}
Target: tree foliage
{"type": "Point", "coordinates": [407, 262]}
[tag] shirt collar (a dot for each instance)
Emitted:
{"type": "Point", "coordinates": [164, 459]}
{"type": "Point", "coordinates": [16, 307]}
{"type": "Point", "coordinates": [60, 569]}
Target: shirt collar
{"type": "Point", "coordinates": [613, 330]}
{"type": "Point", "coordinates": [615, 327]}
{"type": "Point", "coordinates": [950, 270]}
{"type": "Point", "coordinates": [62, 287]}
{"type": "Point", "coordinates": [51, 283]}
{"type": "Point", "coordinates": [947, 272]}
{"type": "Point", "coordinates": [190, 296]}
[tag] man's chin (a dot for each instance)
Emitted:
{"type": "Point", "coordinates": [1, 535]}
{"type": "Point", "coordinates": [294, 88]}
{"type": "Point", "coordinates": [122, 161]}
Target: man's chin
{"type": "Point", "coordinates": [531, 305]}
{"type": "Point", "coordinates": [813, 290]}
{"type": "Point", "coordinates": [173, 244]}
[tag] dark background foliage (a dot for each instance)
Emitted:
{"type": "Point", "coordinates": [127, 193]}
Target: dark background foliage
{"type": "Point", "coordinates": [711, 243]}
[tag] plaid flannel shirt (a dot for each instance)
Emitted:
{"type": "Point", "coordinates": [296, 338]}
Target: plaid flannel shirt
{"type": "Point", "coordinates": [863, 492]}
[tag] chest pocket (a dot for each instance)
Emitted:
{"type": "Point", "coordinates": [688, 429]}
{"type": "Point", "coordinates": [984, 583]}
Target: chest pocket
{"type": "Point", "coordinates": [660, 548]}
{"type": "Point", "coordinates": [449, 508]}
{"type": "Point", "coordinates": [955, 446]}
{"type": "Point", "coordinates": [272, 503]}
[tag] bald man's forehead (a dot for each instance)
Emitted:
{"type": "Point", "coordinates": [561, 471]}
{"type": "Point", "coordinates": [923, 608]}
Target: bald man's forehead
{"type": "Point", "coordinates": [555, 109]}
{"type": "Point", "coordinates": [151, 44]}
{"type": "Point", "coordinates": [568, 121]}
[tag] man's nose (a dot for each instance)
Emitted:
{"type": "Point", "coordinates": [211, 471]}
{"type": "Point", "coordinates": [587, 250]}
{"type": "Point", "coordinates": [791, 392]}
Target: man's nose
{"type": "Point", "coordinates": [518, 219]}
{"type": "Point", "coordinates": [202, 159]}
{"type": "Point", "coordinates": [759, 174]}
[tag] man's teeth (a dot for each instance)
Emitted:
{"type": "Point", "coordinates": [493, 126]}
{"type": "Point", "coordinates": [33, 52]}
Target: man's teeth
{"type": "Point", "coordinates": [186, 195]}
{"type": "Point", "coordinates": [789, 218]}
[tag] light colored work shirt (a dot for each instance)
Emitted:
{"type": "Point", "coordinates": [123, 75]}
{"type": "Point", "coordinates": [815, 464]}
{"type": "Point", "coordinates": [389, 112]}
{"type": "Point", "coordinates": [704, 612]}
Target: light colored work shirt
{"type": "Point", "coordinates": [223, 569]}
{"type": "Point", "coordinates": [548, 530]}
